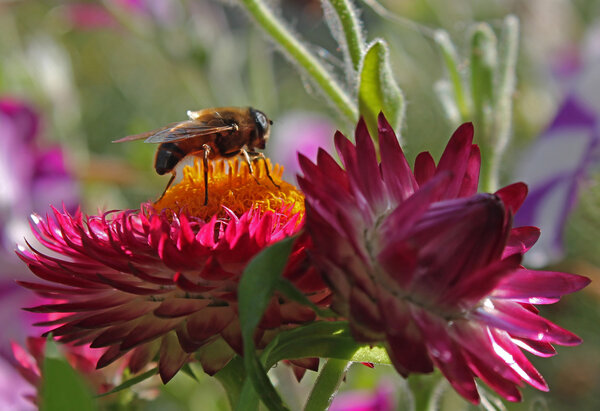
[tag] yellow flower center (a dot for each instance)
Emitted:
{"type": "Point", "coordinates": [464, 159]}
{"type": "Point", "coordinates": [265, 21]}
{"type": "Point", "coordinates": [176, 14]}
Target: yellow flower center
{"type": "Point", "coordinates": [231, 184]}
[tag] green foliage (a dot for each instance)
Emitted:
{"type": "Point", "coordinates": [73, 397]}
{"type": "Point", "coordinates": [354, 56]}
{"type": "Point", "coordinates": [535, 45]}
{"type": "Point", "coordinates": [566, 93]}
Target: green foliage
{"type": "Point", "coordinates": [63, 389]}
{"type": "Point", "coordinates": [255, 290]}
{"type": "Point", "coordinates": [491, 85]}
{"type": "Point", "coordinates": [378, 90]}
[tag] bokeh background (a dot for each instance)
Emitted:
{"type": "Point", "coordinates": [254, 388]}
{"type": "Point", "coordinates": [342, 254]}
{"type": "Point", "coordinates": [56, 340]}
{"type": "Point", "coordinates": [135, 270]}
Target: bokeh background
{"type": "Point", "coordinates": [76, 75]}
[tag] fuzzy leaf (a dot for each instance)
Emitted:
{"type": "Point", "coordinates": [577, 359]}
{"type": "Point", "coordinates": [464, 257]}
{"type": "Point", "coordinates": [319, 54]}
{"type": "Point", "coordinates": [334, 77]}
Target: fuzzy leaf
{"type": "Point", "coordinates": [378, 90]}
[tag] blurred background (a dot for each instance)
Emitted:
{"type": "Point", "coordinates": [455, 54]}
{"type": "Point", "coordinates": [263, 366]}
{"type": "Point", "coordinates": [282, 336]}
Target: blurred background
{"type": "Point", "coordinates": [76, 75]}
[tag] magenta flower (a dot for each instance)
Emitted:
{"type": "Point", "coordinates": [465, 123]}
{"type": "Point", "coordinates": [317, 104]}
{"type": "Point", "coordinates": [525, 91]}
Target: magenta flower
{"type": "Point", "coordinates": [163, 284]}
{"type": "Point", "coordinates": [423, 264]}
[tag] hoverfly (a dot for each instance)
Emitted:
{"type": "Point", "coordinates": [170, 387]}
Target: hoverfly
{"type": "Point", "coordinates": [213, 133]}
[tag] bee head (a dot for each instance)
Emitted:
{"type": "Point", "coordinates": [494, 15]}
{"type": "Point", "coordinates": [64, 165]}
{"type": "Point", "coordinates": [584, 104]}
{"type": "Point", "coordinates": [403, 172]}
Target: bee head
{"type": "Point", "coordinates": [263, 128]}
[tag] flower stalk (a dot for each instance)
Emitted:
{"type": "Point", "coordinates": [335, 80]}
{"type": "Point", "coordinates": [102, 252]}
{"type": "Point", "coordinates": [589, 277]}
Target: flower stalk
{"type": "Point", "coordinates": [300, 54]}
{"type": "Point", "coordinates": [327, 384]}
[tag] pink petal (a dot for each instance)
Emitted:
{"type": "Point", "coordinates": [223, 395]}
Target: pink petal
{"type": "Point", "coordinates": [537, 286]}
{"type": "Point", "coordinates": [517, 360]}
{"type": "Point", "coordinates": [424, 168]}
{"type": "Point", "coordinates": [506, 388]}
{"type": "Point", "coordinates": [474, 287]}
{"type": "Point", "coordinates": [521, 239]}
{"type": "Point", "coordinates": [367, 170]}
{"type": "Point", "coordinates": [456, 158]}
{"type": "Point", "coordinates": [395, 169]}
{"type": "Point", "coordinates": [208, 322]}
{"type": "Point", "coordinates": [172, 357]}
{"type": "Point", "coordinates": [513, 196]}
{"type": "Point", "coordinates": [520, 322]}
{"type": "Point", "coordinates": [539, 348]}
{"type": "Point", "coordinates": [179, 307]}
{"type": "Point", "coordinates": [471, 178]}
{"type": "Point", "coordinates": [404, 342]}
{"type": "Point", "coordinates": [141, 356]}
{"type": "Point", "coordinates": [445, 354]}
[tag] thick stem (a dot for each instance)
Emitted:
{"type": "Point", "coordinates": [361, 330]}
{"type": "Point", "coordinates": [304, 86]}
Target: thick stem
{"type": "Point", "coordinates": [300, 54]}
{"type": "Point", "coordinates": [327, 384]}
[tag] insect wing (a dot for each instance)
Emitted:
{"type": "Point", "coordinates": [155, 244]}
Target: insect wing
{"type": "Point", "coordinates": [145, 135]}
{"type": "Point", "coordinates": [185, 130]}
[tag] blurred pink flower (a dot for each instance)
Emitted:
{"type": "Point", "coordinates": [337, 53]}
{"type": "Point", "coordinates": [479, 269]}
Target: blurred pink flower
{"type": "Point", "coordinates": [381, 398]}
{"type": "Point", "coordinates": [90, 16]}
{"type": "Point", "coordinates": [420, 262]}
{"type": "Point", "coordinates": [299, 132]}
{"type": "Point", "coordinates": [34, 177]}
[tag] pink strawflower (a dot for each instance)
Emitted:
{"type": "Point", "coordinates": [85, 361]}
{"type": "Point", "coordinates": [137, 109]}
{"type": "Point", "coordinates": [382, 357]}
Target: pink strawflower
{"type": "Point", "coordinates": [162, 283]}
{"type": "Point", "coordinates": [420, 262]}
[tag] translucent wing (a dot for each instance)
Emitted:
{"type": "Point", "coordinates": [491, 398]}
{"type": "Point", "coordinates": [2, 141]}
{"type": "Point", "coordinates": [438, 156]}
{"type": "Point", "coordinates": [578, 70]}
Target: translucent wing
{"type": "Point", "coordinates": [179, 131]}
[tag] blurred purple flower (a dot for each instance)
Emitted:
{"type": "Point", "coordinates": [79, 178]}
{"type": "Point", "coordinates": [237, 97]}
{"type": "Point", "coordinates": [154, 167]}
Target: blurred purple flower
{"type": "Point", "coordinates": [558, 164]}
{"type": "Point", "coordinates": [34, 178]}
{"type": "Point", "coordinates": [299, 132]}
{"type": "Point", "coordinates": [381, 399]}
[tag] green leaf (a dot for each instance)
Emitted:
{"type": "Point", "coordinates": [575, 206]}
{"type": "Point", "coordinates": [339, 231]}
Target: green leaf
{"type": "Point", "coordinates": [323, 339]}
{"type": "Point", "coordinates": [255, 290]}
{"type": "Point", "coordinates": [377, 90]}
{"type": "Point", "coordinates": [63, 389]}
{"type": "Point", "coordinates": [131, 382]}
{"type": "Point", "coordinates": [232, 378]}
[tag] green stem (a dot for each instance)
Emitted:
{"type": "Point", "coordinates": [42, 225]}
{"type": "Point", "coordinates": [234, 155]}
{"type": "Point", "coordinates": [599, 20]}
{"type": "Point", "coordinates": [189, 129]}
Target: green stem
{"type": "Point", "coordinates": [300, 54]}
{"type": "Point", "coordinates": [327, 385]}
{"type": "Point", "coordinates": [488, 179]}
{"type": "Point", "coordinates": [352, 30]}
{"type": "Point", "coordinates": [451, 60]}
{"type": "Point", "coordinates": [505, 86]}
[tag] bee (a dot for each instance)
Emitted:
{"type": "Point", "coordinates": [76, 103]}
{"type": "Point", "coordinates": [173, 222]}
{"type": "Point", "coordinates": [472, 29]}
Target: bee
{"type": "Point", "coordinates": [211, 133]}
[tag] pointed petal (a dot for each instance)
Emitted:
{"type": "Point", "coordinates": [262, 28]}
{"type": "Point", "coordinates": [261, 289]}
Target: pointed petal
{"type": "Point", "coordinates": [520, 322]}
{"type": "Point", "coordinates": [445, 354]}
{"type": "Point", "coordinates": [424, 168]}
{"type": "Point", "coordinates": [513, 196]}
{"type": "Point", "coordinates": [397, 175]}
{"type": "Point", "coordinates": [521, 239]}
{"type": "Point", "coordinates": [456, 158]}
{"type": "Point", "coordinates": [471, 178]}
{"type": "Point", "coordinates": [172, 357]}
{"type": "Point", "coordinates": [536, 286]}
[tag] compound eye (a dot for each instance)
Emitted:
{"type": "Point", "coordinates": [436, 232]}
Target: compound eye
{"type": "Point", "coordinates": [262, 121]}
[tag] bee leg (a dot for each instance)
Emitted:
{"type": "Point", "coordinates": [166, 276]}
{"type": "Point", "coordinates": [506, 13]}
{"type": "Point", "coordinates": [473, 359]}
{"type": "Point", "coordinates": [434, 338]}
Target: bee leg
{"type": "Point", "coordinates": [249, 162]}
{"type": "Point", "coordinates": [206, 149]}
{"type": "Point", "coordinates": [255, 157]}
{"type": "Point", "coordinates": [167, 187]}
